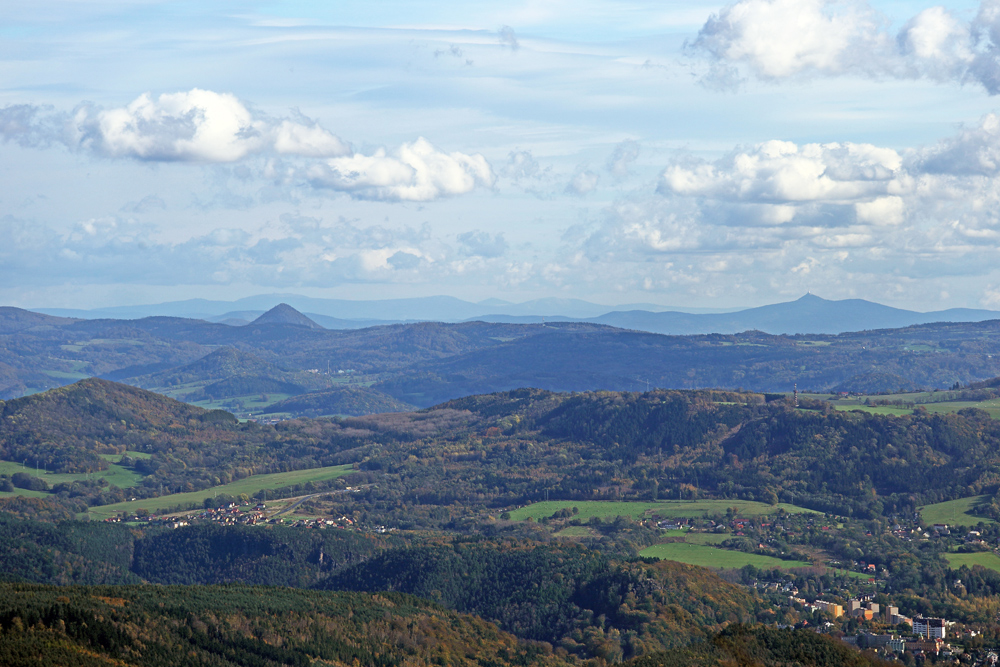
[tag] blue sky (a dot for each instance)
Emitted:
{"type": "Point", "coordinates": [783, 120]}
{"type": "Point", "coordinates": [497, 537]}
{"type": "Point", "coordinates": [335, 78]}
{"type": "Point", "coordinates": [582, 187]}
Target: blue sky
{"type": "Point", "coordinates": [683, 153]}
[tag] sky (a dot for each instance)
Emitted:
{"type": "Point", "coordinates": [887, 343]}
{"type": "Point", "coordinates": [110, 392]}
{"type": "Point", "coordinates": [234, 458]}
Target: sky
{"type": "Point", "coordinates": [685, 153]}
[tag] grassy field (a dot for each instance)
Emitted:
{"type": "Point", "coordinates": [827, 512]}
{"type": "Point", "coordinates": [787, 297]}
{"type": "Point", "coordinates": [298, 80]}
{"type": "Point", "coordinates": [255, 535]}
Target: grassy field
{"type": "Point", "coordinates": [115, 474]}
{"type": "Point", "coordinates": [987, 559]}
{"type": "Point", "coordinates": [576, 531]}
{"type": "Point", "coordinates": [664, 509]}
{"type": "Point", "coordinates": [706, 538]}
{"type": "Point", "coordinates": [706, 556]}
{"type": "Point", "coordinates": [23, 492]}
{"type": "Point", "coordinates": [930, 401]}
{"type": "Point", "coordinates": [249, 486]}
{"type": "Point", "coordinates": [953, 512]}
{"type": "Point", "coordinates": [876, 409]}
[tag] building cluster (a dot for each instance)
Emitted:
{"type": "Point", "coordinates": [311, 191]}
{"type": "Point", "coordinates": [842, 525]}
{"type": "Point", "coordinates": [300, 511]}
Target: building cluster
{"type": "Point", "coordinates": [928, 636]}
{"type": "Point", "coordinates": [831, 608]}
{"type": "Point", "coordinates": [890, 643]}
{"type": "Point", "coordinates": [868, 610]}
{"type": "Point", "coordinates": [232, 514]}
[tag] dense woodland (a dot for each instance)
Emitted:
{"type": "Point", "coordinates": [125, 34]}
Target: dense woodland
{"type": "Point", "coordinates": [261, 627]}
{"type": "Point", "coordinates": [242, 625]}
{"type": "Point", "coordinates": [556, 593]}
{"type": "Point", "coordinates": [576, 599]}
{"type": "Point", "coordinates": [742, 646]}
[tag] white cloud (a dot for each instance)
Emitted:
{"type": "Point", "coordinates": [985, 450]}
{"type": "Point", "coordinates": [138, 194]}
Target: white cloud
{"type": "Point", "coordinates": [311, 140]}
{"type": "Point", "coordinates": [779, 39]}
{"type": "Point", "coordinates": [583, 182]}
{"type": "Point", "coordinates": [783, 172]}
{"type": "Point", "coordinates": [622, 158]}
{"type": "Point", "coordinates": [974, 150]}
{"type": "Point", "coordinates": [823, 213]}
{"type": "Point", "coordinates": [200, 126]}
{"type": "Point", "coordinates": [881, 211]}
{"type": "Point", "coordinates": [196, 126]}
{"type": "Point", "coordinates": [414, 172]}
{"type": "Point", "coordinates": [521, 165]}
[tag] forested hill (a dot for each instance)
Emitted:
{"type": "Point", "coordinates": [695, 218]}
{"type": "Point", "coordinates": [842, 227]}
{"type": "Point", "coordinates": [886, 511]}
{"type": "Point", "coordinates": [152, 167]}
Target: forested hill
{"type": "Point", "coordinates": [167, 446]}
{"type": "Point", "coordinates": [425, 363]}
{"type": "Point", "coordinates": [348, 400]}
{"type": "Point", "coordinates": [742, 646]}
{"type": "Point", "coordinates": [552, 593]}
{"type": "Point", "coordinates": [67, 429]}
{"type": "Point", "coordinates": [542, 592]}
{"type": "Point", "coordinates": [513, 447]}
{"type": "Point", "coordinates": [271, 627]}
{"type": "Point", "coordinates": [240, 626]}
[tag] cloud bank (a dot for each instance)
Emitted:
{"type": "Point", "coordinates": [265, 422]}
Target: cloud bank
{"type": "Point", "coordinates": [781, 39]}
{"type": "Point", "coordinates": [415, 172]}
{"type": "Point", "coordinates": [206, 127]}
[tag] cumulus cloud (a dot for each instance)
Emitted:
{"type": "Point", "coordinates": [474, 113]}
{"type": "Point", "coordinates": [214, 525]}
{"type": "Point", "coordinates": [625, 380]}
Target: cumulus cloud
{"type": "Point", "coordinates": [194, 126]}
{"type": "Point", "coordinates": [622, 158]}
{"type": "Point", "coordinates": [583, 182]}
{"type": "Point", "coordinates": [824, 213]}
{"type": "Point", "coordinates": [416, 171]}
{"type": "Point", "coordinates": [974, 150]}
{"type": "Point", "coordinates": [309, 140]}
{"type": "Point", "coordinates": [206, 127]}
{"type": "Point", "coordinates": [521, 165]}
{"type": "Point", "coordinates": [778, 39]}
{"type": "Point", "coordinates": [781, 172]}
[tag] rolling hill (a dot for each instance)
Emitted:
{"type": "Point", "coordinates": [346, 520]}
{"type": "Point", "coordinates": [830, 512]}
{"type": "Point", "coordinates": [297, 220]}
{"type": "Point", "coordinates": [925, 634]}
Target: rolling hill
{"type": "Point", "coordinates": [345, 400]}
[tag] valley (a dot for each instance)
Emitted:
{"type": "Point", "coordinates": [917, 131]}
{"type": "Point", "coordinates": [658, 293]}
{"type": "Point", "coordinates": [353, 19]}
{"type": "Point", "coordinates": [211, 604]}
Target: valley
{"type": "Point", "coordinates": [591, 524]}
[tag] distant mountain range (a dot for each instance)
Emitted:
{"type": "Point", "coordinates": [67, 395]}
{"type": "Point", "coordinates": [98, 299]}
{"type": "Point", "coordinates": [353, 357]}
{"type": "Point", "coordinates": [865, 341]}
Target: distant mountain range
{"type": "Point", "coordinates": [808, 315]}
{"type": "Point", "coordinates": [386, 311]}
{"type": "Point", "coordinates": [284, 353]}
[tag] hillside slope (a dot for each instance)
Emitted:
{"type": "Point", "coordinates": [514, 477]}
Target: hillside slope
{"type": "Point", "coordinates": [349, 400]}
{"type": "Point", "coordinates": [155, 626]}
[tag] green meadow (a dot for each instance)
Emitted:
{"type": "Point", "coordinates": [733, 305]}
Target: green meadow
{"type": "Point", "coordinates": [664, 509]}
{"type": "Point", "coordinates": [708, 556]}
{"type": "Point", "coordinates": [248, 485]}
{"type": "Point", "coordinates": [986, 559]}
{"type": "Point", "coordinates": [954, 512]}
{"type": "Point", "coordinates": [934, 402]}
{"type": "Point", "coordinates": [116, 475]}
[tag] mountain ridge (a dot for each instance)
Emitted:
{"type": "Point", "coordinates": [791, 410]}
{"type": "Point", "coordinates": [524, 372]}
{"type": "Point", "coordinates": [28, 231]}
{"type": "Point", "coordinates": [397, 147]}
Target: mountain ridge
{"type": "Point", "coordinates": [809, 314]}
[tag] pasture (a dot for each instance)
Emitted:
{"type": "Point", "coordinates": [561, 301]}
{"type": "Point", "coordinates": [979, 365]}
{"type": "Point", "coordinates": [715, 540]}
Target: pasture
{"type": "Point", "coordinates": [116, 475]}
{"type": "Point", "coordinates": [934, 402]}
{"type": "Point", "coordinates": [986, 559]}
{"type": "Point", "coordinates": [708, 556]}
{"type": "Point", "coordinates": [248, 485]}
{"type": "Point", "coordinates": [954, 512]}
{"type": "Point", "coordinates": [664, 509]}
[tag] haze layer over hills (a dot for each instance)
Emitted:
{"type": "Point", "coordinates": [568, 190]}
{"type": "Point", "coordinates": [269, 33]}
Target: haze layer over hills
{"type": "Point", "coordinates": [283, 354]}
{"type": "Point", "coordinates": [808, 314]}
